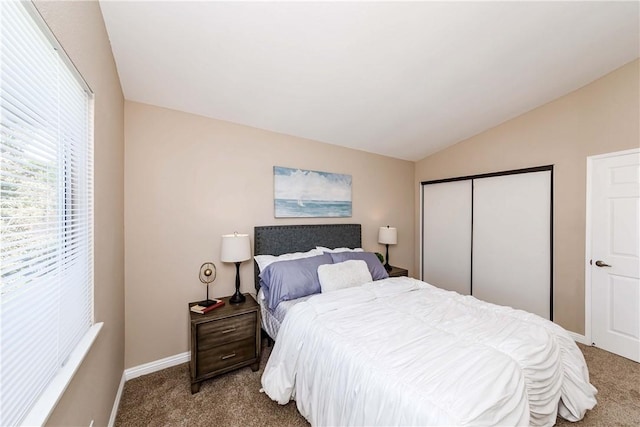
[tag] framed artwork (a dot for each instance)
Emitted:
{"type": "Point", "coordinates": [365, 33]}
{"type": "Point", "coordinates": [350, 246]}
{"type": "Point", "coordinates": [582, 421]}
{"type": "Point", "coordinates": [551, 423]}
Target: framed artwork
{"type": "Point", "coordinates": [306, 193]}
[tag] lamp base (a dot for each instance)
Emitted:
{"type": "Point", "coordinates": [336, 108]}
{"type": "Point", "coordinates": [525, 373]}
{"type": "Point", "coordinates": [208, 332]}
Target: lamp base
{"type": "Point", "coordinates": [206, 303]}
{"type": "Point", "coordinates": [386, 264]}
{"type": "Point", "coordinates": [237, 298]}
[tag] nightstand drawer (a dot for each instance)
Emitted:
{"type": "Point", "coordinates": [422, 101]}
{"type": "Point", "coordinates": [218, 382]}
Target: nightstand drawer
{"type": "Point", "coordinates": [226, 355]}
{"type": "Point", "coordinates": [218, 332]}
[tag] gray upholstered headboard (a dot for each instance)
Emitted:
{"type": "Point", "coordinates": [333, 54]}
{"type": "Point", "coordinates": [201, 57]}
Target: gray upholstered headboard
{"type": "Point", "coordinates": [282, 239]}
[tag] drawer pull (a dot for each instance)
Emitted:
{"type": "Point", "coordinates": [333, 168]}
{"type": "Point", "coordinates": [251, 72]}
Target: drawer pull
{"type": "Point", "coordinates": [228, 356]}
{"type": "Point", "coordinates": [226, 331]}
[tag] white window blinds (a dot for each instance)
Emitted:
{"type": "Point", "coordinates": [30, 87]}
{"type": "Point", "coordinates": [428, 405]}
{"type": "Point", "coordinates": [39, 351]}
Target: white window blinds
{"type": "Point", "coordinates": [46, 252]}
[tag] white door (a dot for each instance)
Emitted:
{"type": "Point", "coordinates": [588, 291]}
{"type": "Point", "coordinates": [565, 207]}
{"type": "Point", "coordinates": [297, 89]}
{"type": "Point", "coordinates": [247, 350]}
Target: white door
{"type": "Point", "coordinates": [512, 241]}
{"type": "Point", "coordinates": [615, 253]}
{"type": "Point", "coordinates": [446, 235]}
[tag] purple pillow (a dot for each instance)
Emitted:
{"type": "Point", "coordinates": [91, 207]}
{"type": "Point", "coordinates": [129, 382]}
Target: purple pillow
{"type": "Point", "coordinates": [376, 268]}
{"type": "Point", "coordinates": [296, 278]}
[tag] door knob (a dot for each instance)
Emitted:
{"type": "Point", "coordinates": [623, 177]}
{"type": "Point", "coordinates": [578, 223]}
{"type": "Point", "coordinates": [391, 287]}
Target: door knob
{"type": "Point", "coordinates": [601, 264]}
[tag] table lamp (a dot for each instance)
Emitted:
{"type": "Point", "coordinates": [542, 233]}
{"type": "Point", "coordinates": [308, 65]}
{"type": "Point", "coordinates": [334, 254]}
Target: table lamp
{"type": "Point", "coordinates": [387, 236]}
{"type": "Point", "coordinates": [236, 248]}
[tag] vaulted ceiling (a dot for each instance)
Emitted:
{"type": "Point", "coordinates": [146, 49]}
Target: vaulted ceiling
{"type": "Point", "coordinates": [402, 79]}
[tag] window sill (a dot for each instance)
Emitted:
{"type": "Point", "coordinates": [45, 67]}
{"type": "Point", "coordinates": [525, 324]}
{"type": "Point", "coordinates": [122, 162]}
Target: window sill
{"type": "Point", "coordinates": [44, 406]}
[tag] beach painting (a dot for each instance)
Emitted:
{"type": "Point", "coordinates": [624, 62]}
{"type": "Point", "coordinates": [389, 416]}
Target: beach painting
{"type": "Point", "coordinates": [306, 193]}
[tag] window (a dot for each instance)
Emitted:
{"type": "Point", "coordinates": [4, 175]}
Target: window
{"type": "Point", "coordinates": [46, 174]}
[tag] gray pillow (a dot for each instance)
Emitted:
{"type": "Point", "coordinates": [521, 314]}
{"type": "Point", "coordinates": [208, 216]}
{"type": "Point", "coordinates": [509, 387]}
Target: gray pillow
{"type": "Point", "coordinates": [376, 268]}
{"type": "Point", "coordinates": [287, 280]}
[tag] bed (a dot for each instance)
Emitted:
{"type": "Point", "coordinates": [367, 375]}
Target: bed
{"type": "Point", "coordinates": [399, 351]}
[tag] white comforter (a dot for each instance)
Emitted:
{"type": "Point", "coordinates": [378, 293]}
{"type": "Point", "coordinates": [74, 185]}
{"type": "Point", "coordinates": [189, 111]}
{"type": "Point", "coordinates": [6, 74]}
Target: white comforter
{"type": "Point", "coordinates": [402, 352]}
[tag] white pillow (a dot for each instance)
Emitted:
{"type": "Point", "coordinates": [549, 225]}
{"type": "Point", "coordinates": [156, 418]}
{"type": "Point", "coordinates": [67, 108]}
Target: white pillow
{"type": "Point", "coordinates": [336, 250]}
{"type": "Point", "coordinates": [343, 275]}
{"type": "Point", "coordinates": [264, 260]}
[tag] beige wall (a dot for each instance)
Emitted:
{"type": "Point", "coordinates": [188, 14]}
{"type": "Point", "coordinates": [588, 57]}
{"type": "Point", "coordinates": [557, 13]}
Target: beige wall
{"type": "Point", "coordinates": [190, 179]}
{"type": "Point", "coordinates": [599, 118]}
{"type": "Point", "coordinates": [80, 29]}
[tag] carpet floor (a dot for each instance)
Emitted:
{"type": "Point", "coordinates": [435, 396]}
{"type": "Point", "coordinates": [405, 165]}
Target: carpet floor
{"type": "Point", "coordinates": [164, 398]}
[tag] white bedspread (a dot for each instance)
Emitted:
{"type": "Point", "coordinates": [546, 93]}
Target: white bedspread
{"type": "Point", "coordinates": [402, 352]}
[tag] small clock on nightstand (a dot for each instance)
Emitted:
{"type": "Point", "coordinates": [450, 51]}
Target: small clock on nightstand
{"type": "Point", "coordinates": [398, 272]}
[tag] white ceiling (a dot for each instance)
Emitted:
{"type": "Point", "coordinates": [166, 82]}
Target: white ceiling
{"type": "Point", "coordinates": [399, 79]}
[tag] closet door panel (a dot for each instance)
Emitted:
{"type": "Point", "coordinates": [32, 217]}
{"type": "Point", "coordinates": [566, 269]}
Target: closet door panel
{"type": "Point", "coordinates": [511, 241]}
{"type": "Point", "coordinates": [446, 255]}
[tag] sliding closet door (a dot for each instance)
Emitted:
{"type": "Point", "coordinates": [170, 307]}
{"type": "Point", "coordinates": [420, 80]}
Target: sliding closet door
{"type": "Point", "coordinates": [512, 241]}
{"type": "Point", "coordinates": [446, 254]}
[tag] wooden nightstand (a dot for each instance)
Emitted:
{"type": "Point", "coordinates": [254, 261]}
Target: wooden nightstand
{"type": "Point", "coordinates": [397, 272]}
{"type": "Point", "coordinates": [225, 339]}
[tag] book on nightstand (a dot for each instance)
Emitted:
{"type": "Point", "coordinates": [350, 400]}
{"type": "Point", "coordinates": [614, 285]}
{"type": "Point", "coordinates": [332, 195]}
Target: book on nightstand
{"type": "Point", "coordinates": [200, 309]}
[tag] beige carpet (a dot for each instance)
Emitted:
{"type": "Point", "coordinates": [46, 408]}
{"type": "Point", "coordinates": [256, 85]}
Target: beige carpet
{"type": "Point", "coordinates": [164, 398]}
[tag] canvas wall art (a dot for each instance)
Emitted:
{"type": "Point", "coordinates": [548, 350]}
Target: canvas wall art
{"type": "Point", "coordinates": [307, 193]}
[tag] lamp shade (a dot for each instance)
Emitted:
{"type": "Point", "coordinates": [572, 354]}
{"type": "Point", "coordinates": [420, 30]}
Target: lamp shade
{"type": "Point", "coordinates": [388, 235]}
{"type": "Point", "coordinates": [235, 248]}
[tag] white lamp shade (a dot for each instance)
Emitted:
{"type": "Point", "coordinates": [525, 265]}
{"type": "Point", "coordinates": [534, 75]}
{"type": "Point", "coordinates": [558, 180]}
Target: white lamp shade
{"type": "Point", "coordinates": [388, 235]}
{"type": "Point", "coordinates": [235, 248]}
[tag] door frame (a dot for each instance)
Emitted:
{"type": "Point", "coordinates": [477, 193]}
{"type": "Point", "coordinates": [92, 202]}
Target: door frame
{"type": "Point", "coordinates": [587, 265]}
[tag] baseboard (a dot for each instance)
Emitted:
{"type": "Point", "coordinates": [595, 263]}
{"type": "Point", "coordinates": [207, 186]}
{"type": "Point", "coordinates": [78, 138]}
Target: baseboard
{"type": "Point", "coordinates": [579, 338]}
{"type": "Point", "coordinates": [116, 402]}
{"type": "Point", "coordinates": [157, 365]}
